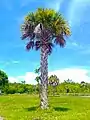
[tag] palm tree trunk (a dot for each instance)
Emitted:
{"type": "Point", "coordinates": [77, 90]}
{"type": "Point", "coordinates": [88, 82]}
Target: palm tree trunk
{"type": "Point", "coordinates": [44, 78]}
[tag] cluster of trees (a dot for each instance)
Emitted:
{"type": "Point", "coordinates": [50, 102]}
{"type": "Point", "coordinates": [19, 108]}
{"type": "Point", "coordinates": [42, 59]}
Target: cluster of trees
{"type": "Point", "coordinates": [68, 86]}
{"type": "Point", "coordinates": [13, 88]}
{"type": "Point", "coordinates": [65, 87]}
{"type": "Point", "coordinates": [54, 87]}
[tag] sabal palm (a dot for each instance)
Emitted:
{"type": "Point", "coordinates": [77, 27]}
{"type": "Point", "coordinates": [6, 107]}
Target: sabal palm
{"type": "Point", "coordinates": [53, 80]}
{"type": "Point", "coordinates": [43, 29]}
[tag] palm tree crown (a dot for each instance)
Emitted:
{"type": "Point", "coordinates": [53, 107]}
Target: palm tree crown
{"type": "Point", "coordinates": [45, 27]}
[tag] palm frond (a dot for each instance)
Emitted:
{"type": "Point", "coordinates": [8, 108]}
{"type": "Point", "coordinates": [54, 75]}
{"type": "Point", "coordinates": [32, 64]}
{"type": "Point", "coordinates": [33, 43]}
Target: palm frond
{"type": "Point", "coordinates": [27, 30]}
{"type": "Point", "coordinates": [37, 45]}
{"type": "Point", "coordinates": [37, 70]}
{"type": "Point", "coordinates": [60, 40]}
{"type": "Point", "coordinates": [30, 45]}
{"type": "Point", "coordinates": [50, 47]}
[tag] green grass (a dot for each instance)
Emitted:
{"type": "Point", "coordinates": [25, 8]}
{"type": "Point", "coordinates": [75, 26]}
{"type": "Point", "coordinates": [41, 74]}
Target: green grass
{"type": "Point", "coordinates": [25, 107]}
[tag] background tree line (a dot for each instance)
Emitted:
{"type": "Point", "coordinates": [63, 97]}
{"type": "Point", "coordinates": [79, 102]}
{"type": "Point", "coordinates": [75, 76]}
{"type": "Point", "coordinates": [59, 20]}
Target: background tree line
{"type": "Point", "coordinates": [54, 86]}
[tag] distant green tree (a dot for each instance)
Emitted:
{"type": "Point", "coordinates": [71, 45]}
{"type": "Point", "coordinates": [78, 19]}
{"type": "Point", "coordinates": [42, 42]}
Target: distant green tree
{"type": "Point", "coordinates": [23, 82]}
{"type": "Point", "coordinates": [83, 83]}
{"type": "Point", "coordinates": [11, 89]}
{"type": "Point", "coordinates": [68, 81]}
{"type": "Point", "coordinates": [3, 79]}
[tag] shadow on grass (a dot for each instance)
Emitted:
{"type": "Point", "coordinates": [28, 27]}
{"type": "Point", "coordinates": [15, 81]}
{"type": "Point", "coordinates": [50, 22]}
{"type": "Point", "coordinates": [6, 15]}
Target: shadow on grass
{"type": "Point", "coordinates": [63, 109]}
{"type": "Point", "coordinates": [31, 108]}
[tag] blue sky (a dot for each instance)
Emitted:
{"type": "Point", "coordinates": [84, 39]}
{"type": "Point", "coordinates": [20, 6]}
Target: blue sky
{"type": "Point", "coordinates": [20, 64]}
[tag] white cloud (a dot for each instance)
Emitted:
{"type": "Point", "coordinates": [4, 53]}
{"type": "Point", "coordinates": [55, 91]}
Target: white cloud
{"type": "Point", "coordinates": [74, 45]}
{"type": "Point", "coordinates": [76, 11]}
{"type": "Point", "coordinates": [13, 79]}
{"type": "Point", "coordinates": [54, 4]}
{"type": "Point", "coordinates": [76, 74]}
{"type": "Point", "coordinates": [82, 48]}
{"type": "Point", "coordinates": [15, 62]}
{"type": "Point", "coordinates": [29, 78]}
{"type": "Point", "coordinates": [6, 63]}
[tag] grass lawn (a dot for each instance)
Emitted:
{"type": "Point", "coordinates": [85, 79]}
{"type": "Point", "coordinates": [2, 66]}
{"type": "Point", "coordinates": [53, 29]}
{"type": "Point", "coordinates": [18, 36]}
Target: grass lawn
{"type": "Point", "coordinates": [25, 107]}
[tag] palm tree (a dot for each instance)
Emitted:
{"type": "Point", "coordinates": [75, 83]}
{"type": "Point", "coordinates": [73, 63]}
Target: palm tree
{"type": "Point", "coordinates": [43, 29]}
{"type": "Point", "coordinates": [53, 81]}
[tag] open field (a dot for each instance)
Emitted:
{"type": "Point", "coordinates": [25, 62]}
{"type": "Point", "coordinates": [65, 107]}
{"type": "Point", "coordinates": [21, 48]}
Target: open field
{"type": "Point", "coordinates": [25, 107]}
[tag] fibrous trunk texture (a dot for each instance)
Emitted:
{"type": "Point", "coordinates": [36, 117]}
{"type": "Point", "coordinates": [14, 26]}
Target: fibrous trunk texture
{"type": "Point", "coordinates": [44, 78]}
